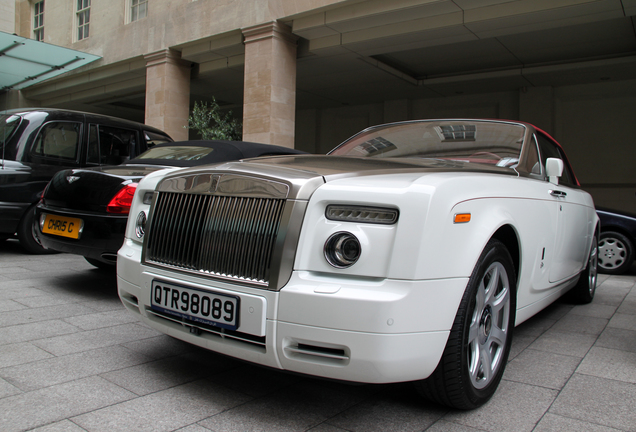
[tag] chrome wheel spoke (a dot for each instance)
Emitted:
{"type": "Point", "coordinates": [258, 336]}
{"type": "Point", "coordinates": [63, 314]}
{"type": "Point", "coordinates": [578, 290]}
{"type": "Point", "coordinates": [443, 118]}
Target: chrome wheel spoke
{"type": "Point", "coordinates": [493, 275]}
{"type": "Point", "coordinates": [475, 360]}
{"type": "Point", "coordinates": [501, 303]}
{"type": "Point", "coordinates": [486, 364]}
{"type": "Point", "coordinates": [480, 299]}
{"type": "Point", "coordinates": [473, 332]}
{"type": "Point", "coordinates": [498, 336]}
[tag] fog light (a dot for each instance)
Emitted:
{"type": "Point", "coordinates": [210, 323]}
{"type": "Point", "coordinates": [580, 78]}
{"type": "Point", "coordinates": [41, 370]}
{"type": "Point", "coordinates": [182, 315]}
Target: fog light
{"type": "Point", "coordinates": [140, 225]}
{"type": "Point", "coordinates": [342, 250]}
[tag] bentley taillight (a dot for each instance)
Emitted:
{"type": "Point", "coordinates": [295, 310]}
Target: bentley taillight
{"type": "Point", "coordinates": [120, 204]}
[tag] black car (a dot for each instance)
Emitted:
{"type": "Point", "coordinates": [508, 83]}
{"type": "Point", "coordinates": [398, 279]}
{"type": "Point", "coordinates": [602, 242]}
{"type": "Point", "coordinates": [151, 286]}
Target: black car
{"type": "Point", "coordinates": [84, 211]}
{"type": "Point", "coordinates": [38, 142]}
{"type": "Point", "coordinates": [617, 242]}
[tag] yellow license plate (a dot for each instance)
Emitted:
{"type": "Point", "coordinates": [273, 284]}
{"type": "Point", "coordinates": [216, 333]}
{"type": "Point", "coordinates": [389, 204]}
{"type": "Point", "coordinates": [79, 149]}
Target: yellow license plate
{"type": "Point", "coordinates": [63, 226]}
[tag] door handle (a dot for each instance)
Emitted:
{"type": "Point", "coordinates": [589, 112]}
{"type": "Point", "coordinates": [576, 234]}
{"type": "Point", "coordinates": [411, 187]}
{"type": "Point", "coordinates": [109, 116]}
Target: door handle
{"type": "Point", "coordinates": [558, 194]}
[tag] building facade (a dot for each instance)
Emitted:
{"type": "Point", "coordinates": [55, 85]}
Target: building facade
{"type": "Point", "coordinates": [309, 73]}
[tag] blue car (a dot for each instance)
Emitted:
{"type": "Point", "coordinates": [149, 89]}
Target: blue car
{"type": "Point", "coordinates": [616, 245]}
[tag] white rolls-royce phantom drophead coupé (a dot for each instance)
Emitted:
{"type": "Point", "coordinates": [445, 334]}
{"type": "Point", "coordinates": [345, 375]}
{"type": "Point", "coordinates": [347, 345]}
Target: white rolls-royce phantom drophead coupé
{"type": "Point", "coordinates": [408, 253]}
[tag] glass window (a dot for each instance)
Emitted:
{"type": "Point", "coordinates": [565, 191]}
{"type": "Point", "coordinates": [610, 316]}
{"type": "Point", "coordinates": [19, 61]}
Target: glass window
{"type": "Point", "coordinates": [484, 142]}
{"type": "Point", "coordinates": [138, 9]}
{"type": "Point", "coordinates": [187, 153]}
{"type": "Point", "coordinates": [551, 150]}
{"type": "Point", "coordinates": [530, 163]}
{"type": "Point", "coordinates": [59, 140]}
{"type": "Point", "coordinates": [8, 125]}
{"type": "Point", "coordinates": [109, 145]}
{"type": "Point", "coordinates": [38, 21]}
{"type": "Point", "coordinates": [92, 157]}
{"type": "Point", "coordinates": [153, 138]}
{"type": "Point", "coordinates": [83, 19]}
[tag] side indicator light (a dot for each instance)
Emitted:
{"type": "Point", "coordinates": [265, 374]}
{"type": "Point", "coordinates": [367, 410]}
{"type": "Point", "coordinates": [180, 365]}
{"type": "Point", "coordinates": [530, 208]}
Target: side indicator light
{"type": "Point", "coordinates": [462, 218]}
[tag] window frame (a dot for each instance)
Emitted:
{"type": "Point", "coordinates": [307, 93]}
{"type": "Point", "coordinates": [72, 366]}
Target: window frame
{"type": "Point", "coordinates": [82, 19]}
{"type": "Point", "coordinates": [548, 149]}
{"type": "Point", "coordinates": [39, 144]}
{"type": "Point", "coordinates": [133, 10]}
{"type": "Point", "coordinates": [96, 134]}
{"type": "Point", "coordinates": [38, 15]}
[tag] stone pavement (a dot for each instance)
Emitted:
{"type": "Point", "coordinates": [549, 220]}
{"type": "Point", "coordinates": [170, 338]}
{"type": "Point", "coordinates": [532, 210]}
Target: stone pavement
{"type": "Point", "coordinates": [72, 359]}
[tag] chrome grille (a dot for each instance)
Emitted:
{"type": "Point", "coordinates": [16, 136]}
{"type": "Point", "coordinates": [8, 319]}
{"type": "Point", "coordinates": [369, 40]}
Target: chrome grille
{"type": "Point", "coordinates": [225, 236]}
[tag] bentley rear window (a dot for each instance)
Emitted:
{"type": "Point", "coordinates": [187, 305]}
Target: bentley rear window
{"type": "Point", "coordinates": [189, 153]}
{"type": "Point", "coordinates": [496, 143]}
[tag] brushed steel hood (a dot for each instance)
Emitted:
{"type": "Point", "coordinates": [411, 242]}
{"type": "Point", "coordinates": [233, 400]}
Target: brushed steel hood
{"type": "Point", "coordinates": [305, 173]}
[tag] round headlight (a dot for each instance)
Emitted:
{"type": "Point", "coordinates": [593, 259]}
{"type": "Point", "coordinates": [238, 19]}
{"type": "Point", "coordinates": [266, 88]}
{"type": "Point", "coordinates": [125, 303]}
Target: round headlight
{"type": "Point", "coordinates": [342, 250]}
{"type": "Point", "coordinates": [140, 225]}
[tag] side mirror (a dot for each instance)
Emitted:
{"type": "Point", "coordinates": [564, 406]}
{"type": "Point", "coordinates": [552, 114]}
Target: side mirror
{"type": "Point", "coordinates": [554, 169]}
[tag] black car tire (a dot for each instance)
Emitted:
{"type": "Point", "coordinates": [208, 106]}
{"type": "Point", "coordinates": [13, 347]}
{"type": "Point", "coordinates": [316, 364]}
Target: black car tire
{"type": "Point", "coordinates": [28, 236]}
{"type": "Point", "coordinates": [100, 264]}
{"type": "Point", "coordinates": [615, 253]}
{"type": "Point", "coordinates": [584, 290]}
{"type": "Point", "coordinates": [477, 349]}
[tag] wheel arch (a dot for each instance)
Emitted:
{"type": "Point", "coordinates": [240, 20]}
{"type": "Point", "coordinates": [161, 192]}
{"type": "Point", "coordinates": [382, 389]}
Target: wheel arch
{"type": "Point", "coordinates": [613, 228]}
{"type": "Point", "coordinates": [507, 235]}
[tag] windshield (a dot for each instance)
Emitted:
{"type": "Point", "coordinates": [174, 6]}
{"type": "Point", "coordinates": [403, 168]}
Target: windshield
{"type": "Point", "coordinates": [8, 125]}
{"type": "Point", "coordinates": [474, 141]}
{"type": "Point", "coordinates": [181, 153]}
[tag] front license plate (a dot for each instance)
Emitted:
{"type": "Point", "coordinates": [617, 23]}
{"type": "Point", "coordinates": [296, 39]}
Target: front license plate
{"type": "Point", "coordinates": [205, 307]}
{"type": "Point", "coordinates": [62, 226]}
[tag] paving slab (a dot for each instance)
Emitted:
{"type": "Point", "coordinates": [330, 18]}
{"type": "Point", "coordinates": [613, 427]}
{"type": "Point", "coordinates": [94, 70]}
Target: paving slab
{"type": "Point", "coordinates": [67, 368]}
{"type": "Point", "coordinates": [600, 401]}
{"type": "Point", "coordinates": [569, 344]}
{"type": "Point", "coordinates": [556, 423]}
{"type": "Point", "coordinates": [40, 407]}
{"type": "Point", "coordinates": [541, 368]}
{"type": "Point", "coordinates": [165, 410]}
{"type": "Point", "coordinates": [514, 407]}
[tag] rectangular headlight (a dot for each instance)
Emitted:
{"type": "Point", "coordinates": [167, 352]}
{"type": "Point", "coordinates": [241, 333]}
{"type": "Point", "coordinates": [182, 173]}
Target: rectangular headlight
{"type": "Point", "coordinates": [362, 214]}
{"type": "Point", "coordinates": [148, 198]}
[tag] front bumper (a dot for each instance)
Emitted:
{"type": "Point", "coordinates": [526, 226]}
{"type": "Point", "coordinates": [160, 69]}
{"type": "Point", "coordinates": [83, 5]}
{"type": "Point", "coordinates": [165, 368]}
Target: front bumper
{"type": "Point", "coordinates": [371, 331]}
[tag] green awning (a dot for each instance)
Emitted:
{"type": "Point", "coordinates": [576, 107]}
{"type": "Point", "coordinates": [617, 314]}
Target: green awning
{"type": "Point", "coordinates": [24, 62]}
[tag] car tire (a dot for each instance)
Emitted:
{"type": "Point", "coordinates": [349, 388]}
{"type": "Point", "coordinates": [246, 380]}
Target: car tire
{"type": "Point", "coordinates": [477, 349]}
{"type": "Point", "coordinates": [584, 290]}
{"type": "Point", "coordinates": [100, 264]}
{"type": "Point", "coordinates": [27, 234]}
{"type": "Point", "coordinates": [615, 253]}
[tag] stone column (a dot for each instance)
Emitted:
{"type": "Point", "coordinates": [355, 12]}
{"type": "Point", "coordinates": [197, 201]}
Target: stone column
{"type": "Point", "coordinates": [168, 93]}
{"type": "Point", "coordinates": [269, 102]}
